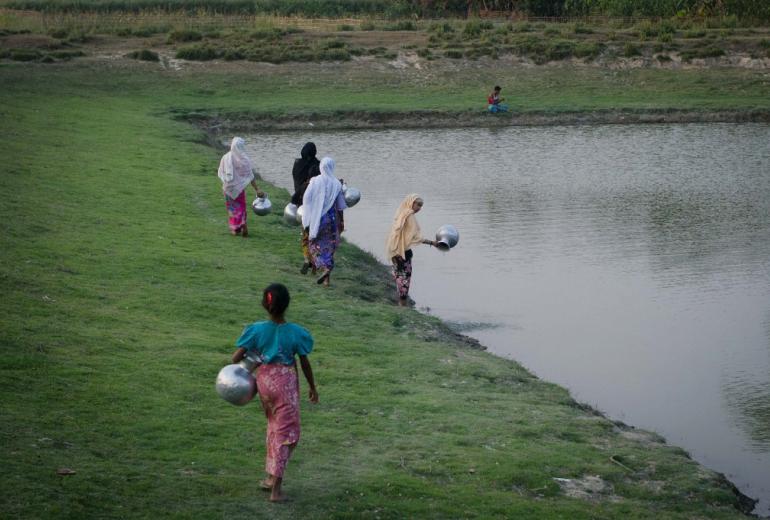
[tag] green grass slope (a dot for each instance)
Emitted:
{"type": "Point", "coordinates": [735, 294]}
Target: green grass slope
{"type": "Point", "coordinates": [123, 293]}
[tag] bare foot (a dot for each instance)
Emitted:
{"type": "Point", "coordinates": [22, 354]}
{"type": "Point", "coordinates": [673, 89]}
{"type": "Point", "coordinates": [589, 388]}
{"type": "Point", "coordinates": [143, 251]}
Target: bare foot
{"type": "Point", "coordinates": [245, 231]}
{"type": "Point", "coordinates": [266, 484]}
{"type": "Point", "coordinates": [276, 495]}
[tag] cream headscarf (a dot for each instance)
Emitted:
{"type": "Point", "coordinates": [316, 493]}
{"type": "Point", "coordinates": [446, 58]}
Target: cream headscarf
{"type": "Point", "coordinates": [405, 231]}
{"type": "Point", "coordinates": [321, 194]}
{"type": "Point", "coordinates": [235, 170]}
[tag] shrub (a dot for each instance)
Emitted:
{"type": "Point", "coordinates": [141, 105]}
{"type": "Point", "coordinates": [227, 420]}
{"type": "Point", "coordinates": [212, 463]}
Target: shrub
{"type": "Point", "coordinates": [441, 28]}
{"type": "Point", "coordinates": [474, 28]}
{"type": "Point", "coordinates": [425, 53]}
{"type": "Point", "coordinates": [184, 35]}
{"type": "Point", "coordinates": [588, 49]}
{"type": "Point", "coordinates": [198, 53]}
{"type": "Point", "coordinates": [559, 50]}
{"type": "Point", "coordinates": [665, 38]}
{"type": "Point", "coordinates": [552, 31]}
{"type": "Point", "coordinates": [345, 27]}
{"type": "Point", "coordinates": [707, 52]}
{"type": "Point", "coordinates": [582, 29]}
{"type": "Point", "coordinates": [271, 34]}
{"type": "Point", "coordinates": [403, 25]}
{"type": "Point", "coordinates": [630, 50]}
{"type": "Point", "coordinates": [335, 55]}
{"type": "Point", "coordinates": [67, 55]}
{"type": "Point", "coordinates": [58, 33]}
{"type": "Point", "coordinates": [332, 44]}
{"type": "Point", "coordinates": [144, 55]}
{"type": "Point", "coordinates": [368, 26]}
{"type": "Point", "coordinates": [764, 43]}
{"type": "Point", "coordinates": [233, 55]}
{"type": "Point", "coordinates": [24, 55]}
{"type": "Point", "coordinates": [663, 58]}
{"type": "Point", "coordinates": [523, 28]}
{"type": "Point", "coordinates": [455, 54]}
{"type": "Point", "coordinates": [80, 37]}
{"type": "Point", "coordinates": [694, 33]}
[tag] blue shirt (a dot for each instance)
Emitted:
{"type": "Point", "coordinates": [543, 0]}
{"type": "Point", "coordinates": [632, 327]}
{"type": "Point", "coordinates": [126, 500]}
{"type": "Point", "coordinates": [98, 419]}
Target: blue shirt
{"type": "Point", "coordinates": [276, 343]}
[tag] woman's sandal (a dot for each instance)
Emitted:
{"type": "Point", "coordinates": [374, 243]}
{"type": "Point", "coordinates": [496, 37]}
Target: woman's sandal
{"type": "Point", "coordinates": [321, 279]}
{"type": "Point", "coordinates": [305, 268]}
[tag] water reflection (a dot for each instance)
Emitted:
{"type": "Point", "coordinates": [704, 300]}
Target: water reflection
{"type": "Point", "coordinates": [628, 263]}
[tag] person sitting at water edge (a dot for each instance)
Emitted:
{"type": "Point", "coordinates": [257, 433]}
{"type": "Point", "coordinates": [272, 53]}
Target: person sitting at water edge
{"type": "Point", "coordinates": [494, 101]}
{"type": "Point", "coordinates": [323, 218]}
{"type": "Point", "coordinates": [236, 172]}
{"type": "Point", "coordinates": [404, 233]}
{"type": "Point", "coordinates": [277, 342]}
{"type": "Point", "coordinates": [305, 168]}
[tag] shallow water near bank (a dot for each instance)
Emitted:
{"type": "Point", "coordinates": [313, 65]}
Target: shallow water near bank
{"type": "Point", "coordinates": [630, 264]}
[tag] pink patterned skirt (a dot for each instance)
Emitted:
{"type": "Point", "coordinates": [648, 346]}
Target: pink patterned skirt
{"type": "Point", "coordinates": [279, 391]}
{"type": "Point", "coordinates": [236, 209]}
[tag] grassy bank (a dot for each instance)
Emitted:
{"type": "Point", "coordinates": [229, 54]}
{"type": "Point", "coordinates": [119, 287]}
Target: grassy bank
{"type": "Point", "coordinates": [123, 293]}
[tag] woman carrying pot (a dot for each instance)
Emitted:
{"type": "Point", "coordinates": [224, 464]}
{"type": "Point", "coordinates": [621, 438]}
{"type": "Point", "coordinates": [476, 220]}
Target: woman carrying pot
{"type": "Point", "coordinates": [405, 233]}
{"type": "Point", "coordinates": [323, 218]}
{"type": "Point", "coordinates": [236, 172]}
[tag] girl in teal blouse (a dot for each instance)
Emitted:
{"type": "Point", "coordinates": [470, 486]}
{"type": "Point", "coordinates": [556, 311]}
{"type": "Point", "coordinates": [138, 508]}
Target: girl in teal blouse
{"type": "Point", "coordinates": [277, 343]}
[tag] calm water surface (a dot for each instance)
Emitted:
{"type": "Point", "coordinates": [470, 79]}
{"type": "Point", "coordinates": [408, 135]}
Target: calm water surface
{"type": "Point", "coordinates": [630, 264]}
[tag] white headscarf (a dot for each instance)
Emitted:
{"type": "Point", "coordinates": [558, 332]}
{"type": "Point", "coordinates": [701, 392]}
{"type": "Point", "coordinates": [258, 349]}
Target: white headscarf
{"type": "Point", "coordinates": [235, 170]}
{"type": "Point", "coordinates": [322, 192]}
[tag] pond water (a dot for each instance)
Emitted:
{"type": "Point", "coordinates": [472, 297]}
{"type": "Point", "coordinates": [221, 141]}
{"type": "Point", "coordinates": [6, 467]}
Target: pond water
{"type": "Point", "coordinates": [630, 264]}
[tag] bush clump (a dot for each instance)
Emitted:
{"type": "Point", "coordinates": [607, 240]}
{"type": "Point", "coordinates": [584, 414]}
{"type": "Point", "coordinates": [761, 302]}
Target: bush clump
{"type": "Point", "coordinates": [403, 25]}
{"type": "Point", "coordinates": [630, 50]}
{"type": "Point", "coordinates": [706, 52]}
{"type": "Point", "coordinates": [24, 55]}
{"type": "Point", "coordinates": [66, 54]}
{"type": "Point", "coordinates": [474, 28]}
{"type": "Point", "coordinates": [185, 35]}
{"type": "Point", "coordinates": [143, 55]}
{"type": "Point", "coordinates": [455, 54]}
{"type": "Point", "coordinates": [198, 53]}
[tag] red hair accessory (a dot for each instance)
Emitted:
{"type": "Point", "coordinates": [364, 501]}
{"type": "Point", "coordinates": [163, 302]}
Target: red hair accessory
{"type": "Point", "coordinates": [269, 297]}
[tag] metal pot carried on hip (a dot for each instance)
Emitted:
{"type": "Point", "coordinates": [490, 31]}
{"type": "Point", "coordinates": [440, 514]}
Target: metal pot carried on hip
{"type": "Point", "coordinates": [262, 206]}
{"type": "Point", "coordinates": [235, 383]}
{"type": "Point", "coordinates": [290, 214]}
{"type": "Point", "coordinates": [352, 195]}
{"type": "Point", "coordinates": [447, 237]}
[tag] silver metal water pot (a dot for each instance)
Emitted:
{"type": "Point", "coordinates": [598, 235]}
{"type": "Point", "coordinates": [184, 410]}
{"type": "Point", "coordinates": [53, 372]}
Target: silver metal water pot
{"type": "Point", "coordinates": [447, 237]}
{"type": "Point", "coordinates": [262, 206]}
{"type": "Point", "coordinates": [290, 214]}
{"type": "Point", "coordinates": [235, 383]}
{"type": "Point", "coordinates": [352, 195]}
{"type": "Point", "coordinates": [300, 212]}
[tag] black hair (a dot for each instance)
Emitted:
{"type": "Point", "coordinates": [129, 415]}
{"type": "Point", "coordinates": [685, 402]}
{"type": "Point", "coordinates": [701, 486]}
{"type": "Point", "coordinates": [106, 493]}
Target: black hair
{"type": "Point", "coordinates": [275, 299]}
{"type": "Point", "coordinates": [497, 87]}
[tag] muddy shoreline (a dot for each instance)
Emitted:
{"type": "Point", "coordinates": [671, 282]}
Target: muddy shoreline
{"type": "Point", "coordinates": [217, 124]}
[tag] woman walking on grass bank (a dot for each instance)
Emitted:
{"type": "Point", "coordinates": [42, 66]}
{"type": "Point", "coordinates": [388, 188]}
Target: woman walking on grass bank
{"type": "Point", "coordinates": [236, 172]}
{"type": "Point", "coordinates": [305, 168]}
{"type": "Point", "coordinates": [277, 342]}
{"type": "Point", "coordinates": [405, 233]}
{"type": "Point", "coordinates": [323, 218]}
